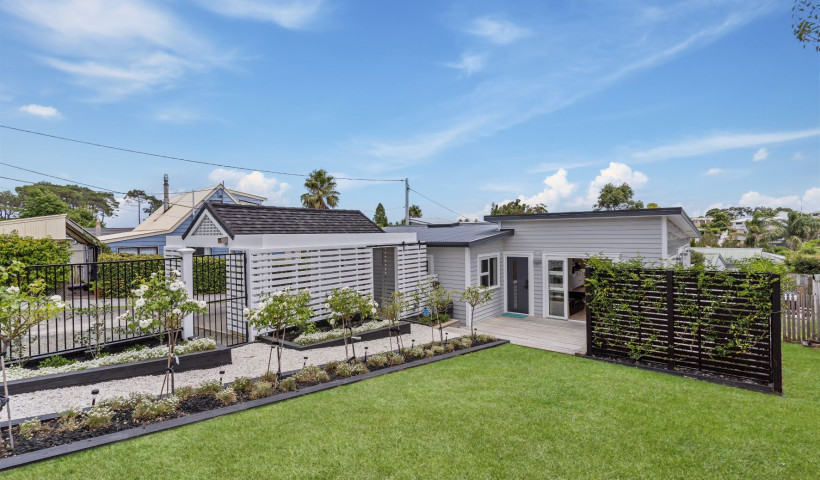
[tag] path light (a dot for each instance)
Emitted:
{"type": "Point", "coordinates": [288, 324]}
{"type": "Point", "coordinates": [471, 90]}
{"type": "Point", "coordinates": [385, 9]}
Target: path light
{"type": "Point", "coordinates": [353, 344]}
{"type": "Point", "coordinates": [412, 343]}
{"type": "Point", "coordinates": [365, 354]}
{"type": "Point", "coordinates": [475, 332]}
{"type": "Point", "coordinates": [94, 394]}
{"type": "Point", "coordinates": [221, 373]}
{"type": "Point", "coordinates": [305, 364]}
{"type": "Point", "coordinates": [446, 337]}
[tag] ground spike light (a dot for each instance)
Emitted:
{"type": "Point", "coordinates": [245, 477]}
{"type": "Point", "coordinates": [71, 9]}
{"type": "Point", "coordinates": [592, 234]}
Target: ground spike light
{"type": "Point", "coordinates": [365, 354]}
{"type": "Point", "coordinates": [94, 394]}
{"type": "Point", "coordinates": [221, 375]}
{"type": "Point", "coordinates": [305, 362]}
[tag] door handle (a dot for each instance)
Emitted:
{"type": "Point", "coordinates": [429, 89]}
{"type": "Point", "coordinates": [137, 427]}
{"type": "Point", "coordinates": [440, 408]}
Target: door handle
{"type": "Point", "coordinates": [526, 284]}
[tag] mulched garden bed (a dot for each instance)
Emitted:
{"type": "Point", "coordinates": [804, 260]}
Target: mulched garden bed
{"type": "Point", "coordinates": [402, 328]}
{"type": "Point", "coordinates": [49, 440]}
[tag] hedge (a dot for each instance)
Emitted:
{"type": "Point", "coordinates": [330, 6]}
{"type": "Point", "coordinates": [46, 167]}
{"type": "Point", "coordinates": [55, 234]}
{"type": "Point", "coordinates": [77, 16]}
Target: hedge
{"type": "Point", "coordinates": [116, 279]}
{"type": "Point", "coordinates": [32, 251]}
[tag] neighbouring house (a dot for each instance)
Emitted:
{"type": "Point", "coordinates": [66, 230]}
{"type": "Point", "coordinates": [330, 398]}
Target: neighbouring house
{"type": "Point", "coordinates": [718, 258]}
{"type": "Point", "coordinates": [84, 246]}
{"type": "Point", "coordinates": [317, 249]}
{"type": "Point", "coordinates": [701, 221]}
{"type": "Point", "coordinates": [173, 219]}
{"type": "Point", "coordinates": [535, 263]}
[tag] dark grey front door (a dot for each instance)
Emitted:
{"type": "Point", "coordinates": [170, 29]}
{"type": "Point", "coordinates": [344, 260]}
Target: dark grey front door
{"type": "Point", "coordinates": [518, 292]}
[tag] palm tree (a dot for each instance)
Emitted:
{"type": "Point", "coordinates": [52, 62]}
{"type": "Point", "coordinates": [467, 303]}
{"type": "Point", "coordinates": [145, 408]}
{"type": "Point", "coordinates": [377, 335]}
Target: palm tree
{"type": "Point", "coordinates": [796, 228]}
{"type": "Point", "coordinates": [321, 190]}
{"type": "Point", "coordinates": [415, 211]}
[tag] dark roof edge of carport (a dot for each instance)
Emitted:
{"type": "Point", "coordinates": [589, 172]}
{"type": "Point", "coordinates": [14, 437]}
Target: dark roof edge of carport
{"type": "Point", "coordinates": [644, 212]}
{"type": "Point", "coordinates": [501, 234]}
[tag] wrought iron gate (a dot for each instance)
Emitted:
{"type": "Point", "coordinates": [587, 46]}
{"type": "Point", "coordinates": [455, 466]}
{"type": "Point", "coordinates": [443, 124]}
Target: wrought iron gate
{"type": "Point", "coordinates": [219, 280]}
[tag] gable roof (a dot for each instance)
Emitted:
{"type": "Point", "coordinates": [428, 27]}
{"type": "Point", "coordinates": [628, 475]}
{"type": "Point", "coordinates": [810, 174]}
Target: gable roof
{"type": "Point", "coordinates": [268, 220]}
{"type": "Point", "coordinates": [179, 209]}
{"type": "Point", "coordinates": [454, 234]}
{"type": "Point", "coordinates": [676, 214]}
{"type": "Point", "coordinates": [57, 227]}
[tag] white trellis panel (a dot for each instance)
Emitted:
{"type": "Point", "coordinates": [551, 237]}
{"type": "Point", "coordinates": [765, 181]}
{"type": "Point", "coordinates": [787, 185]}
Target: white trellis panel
{"type": "Point", "coordinates": [411, 269]}
{"type": "Point", "coordinates": [320, 271]}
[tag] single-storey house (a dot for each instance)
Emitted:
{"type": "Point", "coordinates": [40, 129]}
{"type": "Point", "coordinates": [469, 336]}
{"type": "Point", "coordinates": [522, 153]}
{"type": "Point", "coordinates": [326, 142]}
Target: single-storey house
{"type": "Point", "coordinates": [317, 249]}
{"type": "Point", "coordinates": [84, 246]}
{"type": "Point", "coordinates": [719, 258]}
{"type": "Point", "coordinates": [535, 264]}
{"type": "Point", "coordinates": [173, 219]}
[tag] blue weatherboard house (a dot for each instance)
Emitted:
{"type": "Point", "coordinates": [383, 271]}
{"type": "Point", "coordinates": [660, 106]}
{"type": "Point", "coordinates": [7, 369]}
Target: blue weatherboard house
{"type": "Point", "coordinates": [173, 219]}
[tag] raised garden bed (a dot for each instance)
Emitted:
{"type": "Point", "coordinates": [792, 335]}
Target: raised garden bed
{"type": "Point", "coordinates": [191, 361]}
{"type": "Point", "coordinates": [47, 442]}
{"type": "Point", "coordinates": [403, 329]}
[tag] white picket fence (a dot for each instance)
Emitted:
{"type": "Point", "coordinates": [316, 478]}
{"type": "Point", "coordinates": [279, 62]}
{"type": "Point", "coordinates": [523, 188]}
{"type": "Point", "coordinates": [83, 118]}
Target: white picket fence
{"type": "Point", "coordinates": [801, 310]}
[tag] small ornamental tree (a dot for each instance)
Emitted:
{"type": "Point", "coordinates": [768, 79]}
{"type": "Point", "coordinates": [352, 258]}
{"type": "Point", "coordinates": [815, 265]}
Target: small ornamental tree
{"type": "Point", "coordinates": [277, 311]}
{"type": "Point", "coordinates": [439, 298]}
{"type": "Point", "coordinates": [418, 297]}
{"type": "Point", "coordinates": [392, 309]}
{"type": "Point", "coordinates": [344, 304]}
{"type": "Point", "coordinates": [161, 303]}
{"type": "Point", "coordinates": [20, 310]}
{"type": "Point", "coordinates": [475, 296]}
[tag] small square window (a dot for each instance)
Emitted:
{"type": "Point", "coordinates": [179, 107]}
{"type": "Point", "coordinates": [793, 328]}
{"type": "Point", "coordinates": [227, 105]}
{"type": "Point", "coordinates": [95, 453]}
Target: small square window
{"type": "Point", "coordinates": [488, 272]}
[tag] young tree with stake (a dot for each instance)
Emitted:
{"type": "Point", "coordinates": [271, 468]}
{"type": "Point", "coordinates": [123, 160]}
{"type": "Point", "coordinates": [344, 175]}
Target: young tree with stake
{"type": "Point", "coordinates": [21, 309]}
{"type": "Point", "coordinates": [344, 304]}
{"type": "Point", "coordinates": [475, 296]}
{"type": "Point", "coordinates": [392, 310]}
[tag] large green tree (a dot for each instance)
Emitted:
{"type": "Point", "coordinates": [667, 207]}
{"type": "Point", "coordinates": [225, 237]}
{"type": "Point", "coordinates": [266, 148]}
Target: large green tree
{"type": "Point", "coordinates": [321, 190]}
{"type": "Point", "coordinates": [380, 217]}
{"type": "Point", "coordinates": [415, 211]}
{"type": "Point", "coordinates": [517, 208]}
{"type": "Point", "coordinates": [37, 202]}
{"type": "Point", "coordinates": [10, 205]}
{"type": "Point", "coordinates": [100, 204]}
{"type": "Point", "coordinates": [795, 229]}
{"type": "Point", "coordinates": [140, 198]}
{"type": "Point", "coordinates": [620, 197]}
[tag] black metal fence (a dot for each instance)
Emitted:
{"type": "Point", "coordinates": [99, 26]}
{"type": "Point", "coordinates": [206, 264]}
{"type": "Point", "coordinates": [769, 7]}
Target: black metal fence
{"type": "Point", "coordinates": [722, 325]}
{"type": "Point", "coordinates": [96, 294]}
{"type": "Point", "coordinates": [219, 280]}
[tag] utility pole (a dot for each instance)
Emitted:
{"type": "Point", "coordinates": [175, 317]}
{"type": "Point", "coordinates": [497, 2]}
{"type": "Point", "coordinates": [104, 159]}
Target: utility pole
{"type": "Point", "coordinates": [406, 201]}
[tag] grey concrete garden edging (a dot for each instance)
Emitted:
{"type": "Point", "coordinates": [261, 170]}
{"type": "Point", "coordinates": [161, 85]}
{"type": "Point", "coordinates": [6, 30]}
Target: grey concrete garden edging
{"type": "Point", "coordinates": [377, 334]}
{"type": "Point", "coordinates": [190, 361]}
{"type": "Point", "coordinates": [60, 450]}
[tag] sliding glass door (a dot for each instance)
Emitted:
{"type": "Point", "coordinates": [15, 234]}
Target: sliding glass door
{"type": "Point", "coordinates": [556, 291]}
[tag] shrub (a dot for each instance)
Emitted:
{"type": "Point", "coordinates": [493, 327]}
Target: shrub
{"type": "Point", "coordinates": [449, 347]}
{"type": "Point", "coordinates": [67, 421]}
{"type": "Point", "coordinates": [483, 337]}
{"type": "Point", "coordinates": [209, 387]}
{"type": "Point", "coordinates": [55, 361]}
{"type": "Point", "coordinates": [209, 275]}
{"type": "Point", "coordinates": [116, 403]}
{"type": "Point", "coordinates": [155, 408]}
{"type": "Point", "coordinates": [311, 374]}
{"type": "Point", "coordinates": [99, 417]}
{"type": "Point", "coordinates": [394, 358]}
{"type": "Point", "coordinates": [262, 389]}
{"type": "Point", "coordinates": [359, 368]}
{"type": "Point", "coordinates": [464, 342]}
{"type": "Point", "coordinates": [116, 281]}
{"type": "Point", "coordinates": [377, 361]}
{"type": "Point", "coordinates": [344, 370]}
{"type": "Point", "coordinates": [428, 352]}
{"type": "Point", "coordinates": [287, 385]}
{"type": "Point", "coordinates": [269, 376]}
{"type": "Point", "coordinates": [226, 396]}
{"type": "Point", "coordinates": [33, 251]}
{"type": "Point", "coordinates": [29, 428]}
{"type": "Point", "coordinates": [331, 367]}
{"type": "Point", "coordinates": [413, 353]}
{"type": "Point", "coordinates": [800, 263]}
{"type": "Point", "coordinates": [184, 393]}
{"type": "Point", "coordinates": [437, 349]}
{"type": "Point", "coordinates": [242, 384]}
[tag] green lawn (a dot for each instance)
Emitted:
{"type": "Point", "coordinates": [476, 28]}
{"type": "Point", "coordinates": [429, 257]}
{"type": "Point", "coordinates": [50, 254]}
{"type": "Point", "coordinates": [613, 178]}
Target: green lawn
{"type": "Point", "coordinates": [508, 412]}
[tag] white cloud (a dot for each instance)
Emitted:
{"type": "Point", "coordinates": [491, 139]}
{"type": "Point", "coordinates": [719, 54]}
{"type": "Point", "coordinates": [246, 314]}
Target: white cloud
{"type": "Point", "coordinates": [497, 31]}
{"type": "Point", "coordinates": [616, 173]}
{"type": "Point", "coordinates": [717, 143]}
{"type": "Point", "coordinates": [291, 14]}
{"type": "Point", "coordinates": [40, 110]}
{"type": "Point", "coordinates": [760, 155]}
{"type": "Point", "coordinates": [809, 201]}
{"type": "Point", "coordinates": [556, 189]}
{"type": "Point", "coordinates": [254, 182]}
{"type": "Point", "coordinates": [112, 47]}
{"type": "Point", "coordinates": [714, 171]}
{"type": "Point", "coordinates": [798, 156]}
{"type": "Point", "coordinates": [479, 215]}
{"type": "Point", "coordinates": [469, 63]}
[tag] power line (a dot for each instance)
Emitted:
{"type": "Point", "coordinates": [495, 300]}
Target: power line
{"type": "Point", "coordinates": [440, 205]}
{"type": "Point", "coordinates": [200, 162]}
{"type": "Point", "coordinates": [60, 178]}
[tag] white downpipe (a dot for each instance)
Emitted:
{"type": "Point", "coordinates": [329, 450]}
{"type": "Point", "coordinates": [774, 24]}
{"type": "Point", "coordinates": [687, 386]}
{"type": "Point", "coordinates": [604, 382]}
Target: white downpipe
{"type": "Point", "coordinates": [468, 315]}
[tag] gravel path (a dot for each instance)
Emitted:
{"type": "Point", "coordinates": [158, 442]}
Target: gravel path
{"type": "Point", "coordinates": [248, 361]}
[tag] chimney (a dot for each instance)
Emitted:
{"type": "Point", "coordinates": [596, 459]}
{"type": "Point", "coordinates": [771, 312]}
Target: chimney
{"type": "Point", "coordinates": [98, 229]}
{"type": "Point", "coordinates": [165, 193]}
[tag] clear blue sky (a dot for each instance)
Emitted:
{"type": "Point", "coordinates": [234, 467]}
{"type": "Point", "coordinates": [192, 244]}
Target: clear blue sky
{"type": "Point", "coordinates": [694, 103]}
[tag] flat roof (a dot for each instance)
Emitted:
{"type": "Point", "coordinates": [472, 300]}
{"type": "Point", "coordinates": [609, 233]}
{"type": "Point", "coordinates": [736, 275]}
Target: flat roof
{"type": "Point", "coordinates": [454, 234]}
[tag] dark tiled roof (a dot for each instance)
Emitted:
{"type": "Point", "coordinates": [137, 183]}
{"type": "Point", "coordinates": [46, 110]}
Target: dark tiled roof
{"type": "Point", "coordinates": [260, 220]}
{"type": "Point", "coordinates": [453, 235]}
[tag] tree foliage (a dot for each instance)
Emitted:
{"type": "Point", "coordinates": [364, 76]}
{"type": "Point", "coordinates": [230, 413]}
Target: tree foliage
{"type": "Point", "coordinates": [517, 207]}
{"type": "Point", "coordinates": [415, 211]}
{"type": "Point", "coordinates": [321, 190]}
{"type": "Point", "coordinates": [380, 217]}
{"type": "Point", "coordinates": [32, 251]}
{"type": "Point", "coordinates": [806, 23]}
{"type": "Point", "coordinates": [620, 197]}
{"type": "Point", "coordinates": [138, 198]}
{"type": "Point", "coordinates": [9, 205]}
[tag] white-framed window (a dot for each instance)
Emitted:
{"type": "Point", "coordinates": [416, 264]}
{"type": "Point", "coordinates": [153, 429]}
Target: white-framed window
{"type": "Point", "coordinates": [430, 265]}
{"type": "Point", "coordinates": [139, 250]}
{"type": "Point", "coordinates": [488, 270]}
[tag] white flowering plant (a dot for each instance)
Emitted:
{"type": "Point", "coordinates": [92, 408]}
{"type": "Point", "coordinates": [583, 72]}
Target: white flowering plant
{"type": "Point", "coordinates": [160, 303]}
{"type": "Point", "coordinates": [344, 304]}
{"type": "Point", "coordinates": [21, 309]}
{"type": "Point", "coordinates": [278, 310]}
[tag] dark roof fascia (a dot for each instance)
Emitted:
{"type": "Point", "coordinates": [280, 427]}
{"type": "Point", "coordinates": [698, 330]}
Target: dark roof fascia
{"type": "Point", "coordinates": [646, 212]}
{"type": "Point", "coordinates": [79, 231]}
{"type": "Point", "coordinates": [502, 234]}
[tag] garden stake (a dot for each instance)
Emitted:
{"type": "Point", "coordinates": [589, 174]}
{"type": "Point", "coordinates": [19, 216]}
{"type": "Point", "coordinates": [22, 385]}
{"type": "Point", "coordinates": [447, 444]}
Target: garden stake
{"type": "Point", "coordinates": [353, 345]}
{"type": "Point", "coordinates": [6, 390]}
{"type": "Point", "coordinates": [94, 394]}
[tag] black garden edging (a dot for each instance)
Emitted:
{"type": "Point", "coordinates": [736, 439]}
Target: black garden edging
{"type": "Point", "coordinates": [52, 452]}
{"type": "Point", "coordinates": [379, 333]}
{"type": "Point", "coordinates": [190, 361]}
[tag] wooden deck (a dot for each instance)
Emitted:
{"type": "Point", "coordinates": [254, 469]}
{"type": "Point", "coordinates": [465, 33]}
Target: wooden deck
{"type": "Point", "coordinates": [562, 336]}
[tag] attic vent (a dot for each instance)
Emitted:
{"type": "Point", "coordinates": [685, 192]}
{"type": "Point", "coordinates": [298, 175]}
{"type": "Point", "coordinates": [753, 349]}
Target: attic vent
{"type": "Point", "coordinates": [207, 228]}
